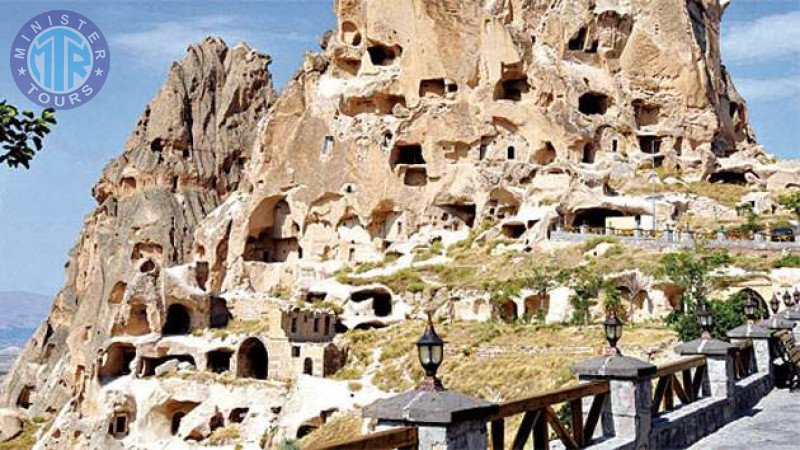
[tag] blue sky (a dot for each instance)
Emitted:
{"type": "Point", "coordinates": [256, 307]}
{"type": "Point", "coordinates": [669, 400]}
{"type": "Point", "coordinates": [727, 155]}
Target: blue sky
{"type": "Point", "coordinates": [42, 210]}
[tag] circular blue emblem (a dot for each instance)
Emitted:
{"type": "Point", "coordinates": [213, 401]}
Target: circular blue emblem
{"type": "Point", "coordinates": [60, 59]}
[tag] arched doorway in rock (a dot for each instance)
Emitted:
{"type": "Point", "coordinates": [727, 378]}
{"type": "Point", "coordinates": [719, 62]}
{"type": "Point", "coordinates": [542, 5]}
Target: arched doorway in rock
{"type": "Point", "coordinates": [381, 300]}
{"type": "Point", "coordinates": [252, 360]}
{"type": "Point", "coordinates": [178, 320]}
{"type": "Point", "coordinates": [219, 316]}
{"type": "Point", "coordinates": [219, 361]}
{"type": "Point", "coordinates": [175, 422]}
{"type": "Point", "coordinates": [24, 397]}
{"type": "Point", "coordinates": [117, 361]}
{"type": "Point", "coordinates": [508, 311]}
{"type": "Point", "coordinates": [308, 367]}
{"type": "Point", "coordinates": [594, 217]}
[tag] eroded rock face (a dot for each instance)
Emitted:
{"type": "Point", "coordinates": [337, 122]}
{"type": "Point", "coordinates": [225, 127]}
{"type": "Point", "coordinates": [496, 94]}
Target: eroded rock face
{"type": "Point", "coordinates": [185, 156]}
{"type": "Point", "coordinates": [418, 118]}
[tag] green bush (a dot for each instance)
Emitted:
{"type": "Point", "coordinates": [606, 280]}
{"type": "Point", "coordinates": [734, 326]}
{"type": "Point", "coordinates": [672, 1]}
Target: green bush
{"type": "Point", "coordinates": [789, 260]}
{"type": "Point", "coordinates": [727, 315]}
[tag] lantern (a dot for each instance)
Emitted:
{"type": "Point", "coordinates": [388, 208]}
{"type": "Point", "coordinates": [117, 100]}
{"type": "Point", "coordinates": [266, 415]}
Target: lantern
{"type": "Point", "coordinates": [430, 349]}
{"type": "Point", "coordinates": [750, 308]}
{"type": "Point", "coordinates": [613, 328]}
{"type": "Point", "coordinates": [705, 319]}
{"type": "Point", "coordinates": [774, 304]}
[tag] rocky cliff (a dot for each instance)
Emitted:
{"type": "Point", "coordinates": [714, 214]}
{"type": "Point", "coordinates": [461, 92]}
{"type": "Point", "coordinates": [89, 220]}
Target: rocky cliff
{"type": "Point", "coordinates": [416, 122]}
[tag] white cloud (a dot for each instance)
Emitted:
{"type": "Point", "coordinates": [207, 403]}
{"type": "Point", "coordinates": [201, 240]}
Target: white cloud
{"type": "Point", "coordinates": [765, 39]}
{"type": "Point", "coordinates": [786, 89]}
{"type": "Point", "coordinates": [167, 41]}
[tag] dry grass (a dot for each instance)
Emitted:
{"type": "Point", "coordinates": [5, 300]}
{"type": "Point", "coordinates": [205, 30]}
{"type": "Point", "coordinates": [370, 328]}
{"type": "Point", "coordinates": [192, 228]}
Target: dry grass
{"type": "Point", "coordinates": [225, 435]}
{"type": "Point", "coordinates": [726, 194]}
{"type": "Point", "coordinates": [25, 440]}
{"type": "Point", "coordinates": [343, 426]}
{"type": "Point", "coordinates": [495, 361]}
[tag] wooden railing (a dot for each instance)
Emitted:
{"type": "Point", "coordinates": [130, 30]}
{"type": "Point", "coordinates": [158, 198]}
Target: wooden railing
{"type": "Point", "coordinates": [384, 440]}
{"type": "Point", "coordinates": [539, 415]}
{"type": "Point", "coordinates": [742, 360]}
{"type": "Point", "coordinates": [670, 387]}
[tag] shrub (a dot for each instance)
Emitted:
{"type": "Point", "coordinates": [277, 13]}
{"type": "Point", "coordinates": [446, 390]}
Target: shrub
{"type": "Point", "coordinates": [791, 202]}
{"type": "Point", "coordinates": [727, 316]}
{"type": "Point", "coordinates": [289, 444]}
{"type": "Point", "coordinates": [788, 260]}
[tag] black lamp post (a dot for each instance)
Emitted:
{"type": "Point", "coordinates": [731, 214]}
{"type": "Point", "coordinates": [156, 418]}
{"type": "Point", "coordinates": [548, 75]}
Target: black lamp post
{"type": "Point", "coordinates": [613, 328]}
{"type": "Point", "coordinates": [705, 319]}
{"type": "Point", "coordinates": [787, 299]}
{"type": "Point", "coordinates": [750, 309]}
{"type": "Point", "coordinates": [430, 349]}
{"type": "Point", "coordinates": [774, 304]}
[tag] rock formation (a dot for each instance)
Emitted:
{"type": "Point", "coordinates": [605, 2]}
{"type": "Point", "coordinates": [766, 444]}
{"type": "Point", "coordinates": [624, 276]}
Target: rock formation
{"type": "Point", "coordinates": [416, 122]}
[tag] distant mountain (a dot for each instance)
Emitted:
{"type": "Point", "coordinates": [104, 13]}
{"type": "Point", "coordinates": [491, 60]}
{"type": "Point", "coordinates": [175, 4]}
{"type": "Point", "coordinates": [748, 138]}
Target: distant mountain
{"type": "Point", "coordinates": [22, 313]}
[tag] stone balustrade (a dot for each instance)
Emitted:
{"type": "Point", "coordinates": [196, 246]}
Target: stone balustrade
{"type": "Point", "coordinates": [676, 239]}
{"type": "Point", "coordinates": [621, 403]}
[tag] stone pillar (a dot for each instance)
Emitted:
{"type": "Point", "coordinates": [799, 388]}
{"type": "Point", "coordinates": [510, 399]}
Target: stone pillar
{"type": "Point", "coordinates": [760, 336]}
{"type": "Point", "coordinates": [721, 378]}
{"type": "Point", "coordinates": [628, 414]}
{"type": "Point", "coordinates": [440, 417]}
{"type": "Point", "coordinates": [637, 233]}
{"type": "Point", "coordinates": [793, 316]}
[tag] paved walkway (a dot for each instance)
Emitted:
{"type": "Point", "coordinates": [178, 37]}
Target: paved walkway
{"type": "Point", "coordinates": [774, 423]}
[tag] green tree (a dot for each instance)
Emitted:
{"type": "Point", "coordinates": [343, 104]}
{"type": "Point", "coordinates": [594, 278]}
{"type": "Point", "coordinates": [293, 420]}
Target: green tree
{"type": "Point", "coordinates": [586, 285]}
{"type": "Point", "coordinates": [21, 134]}
{"type": "Point", "coordinates": [692, 271]}
{"type": "Point", "coordinates": [791, 202]}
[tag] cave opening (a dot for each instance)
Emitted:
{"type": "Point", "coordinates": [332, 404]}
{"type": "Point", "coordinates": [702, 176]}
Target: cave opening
{"type": "Point", "coordinates": [415, 176]}
{"type": "Point", "coordinates": [219, 361]}
{"type": "Point", "coordinates": [118, 359]}
{"type": "Point", "coordinates": [545, 155]}
{"type": "Point", "coordinates": [578, 40]}
{"type": "Point", "coordinates": [728, 177]}
{"type": "Point", "coordinates": [407, 154]}
{"type": "Point", "coordinates": [435, 87]}
{"type": "Point", "coordinates": [512, 88]}
{"type": "Point", "coordinates": [589, 153]}
{"type": "Point", "coordinates": [513, 230]}
{"type": "Point", "coordinates": [178, 320]}
{"type": "Point", "coordinates": [272, 237]}
{"type": "Point", "coordinates": [381, 300]}
{"type": "Point", "coordinates": [384, 55]}
{"type": "Point", "coordinates": [594, 217]}
{"type": "Point", "coordinates": [253, 360]}
{"type": "Point", "coordinates": [650, 144]}
{"type": "Point", "coordinates": [219, 315]}
{"type": "Point", "coordinates": [593, 103]}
